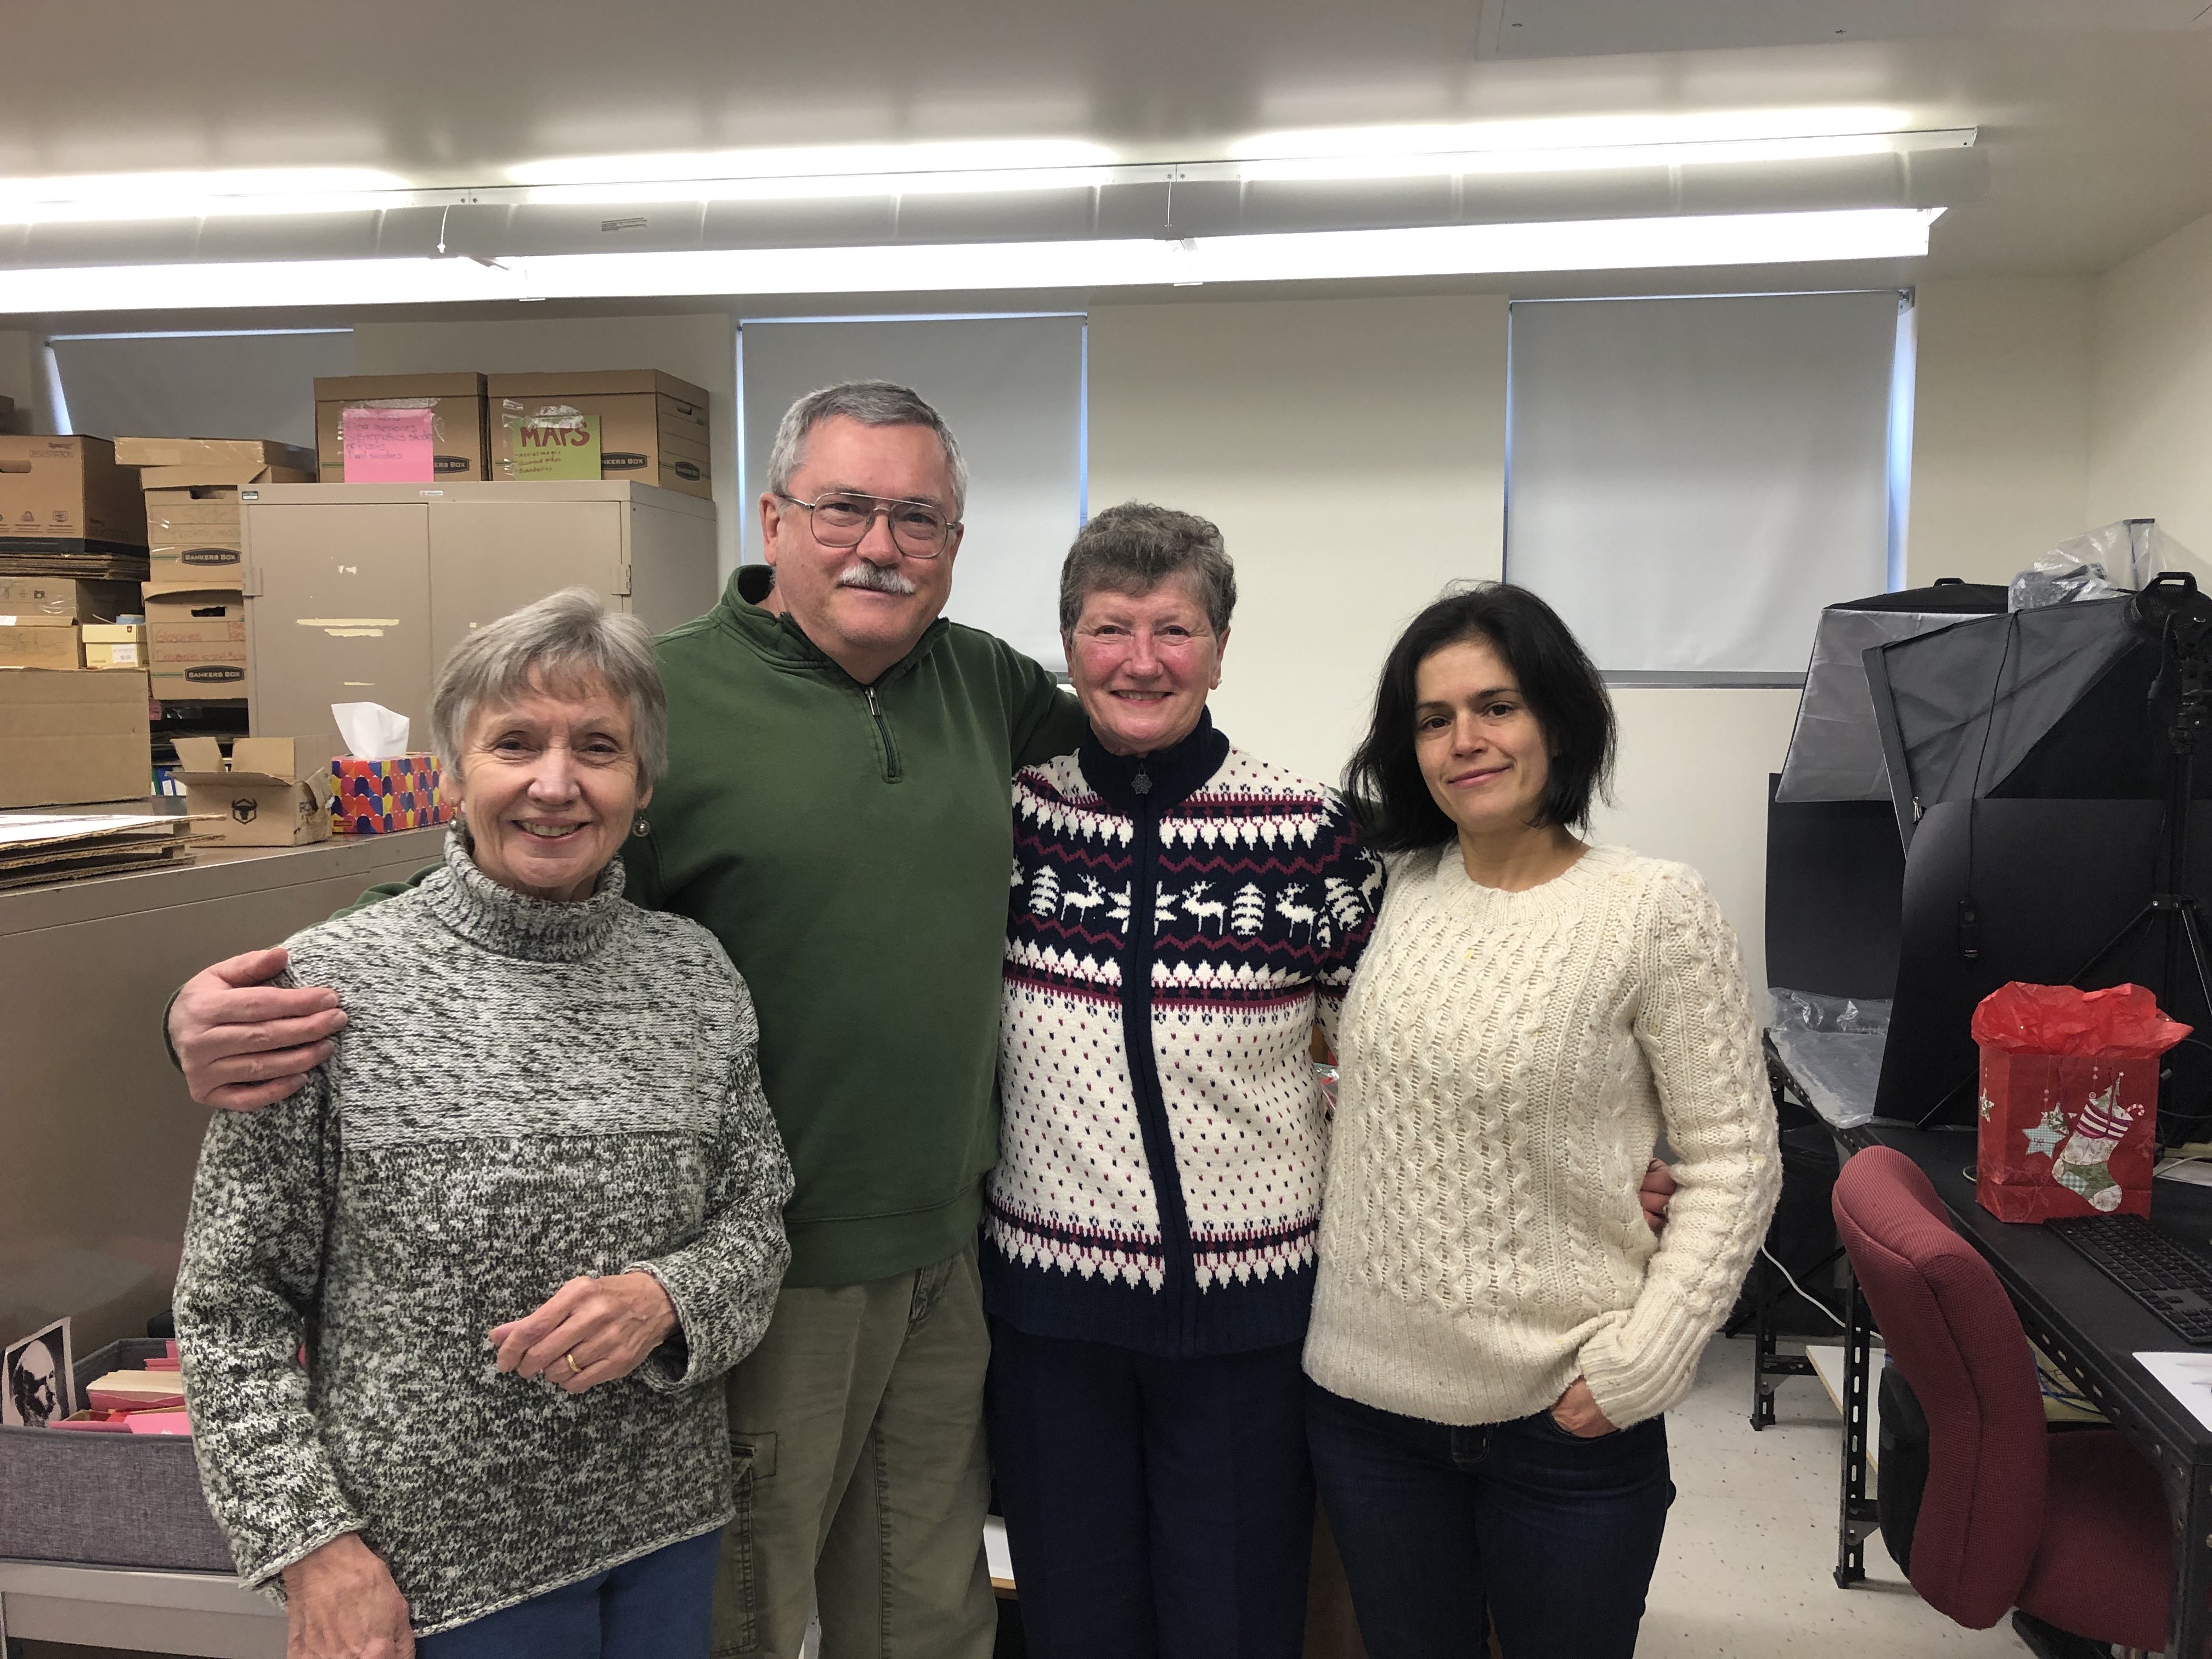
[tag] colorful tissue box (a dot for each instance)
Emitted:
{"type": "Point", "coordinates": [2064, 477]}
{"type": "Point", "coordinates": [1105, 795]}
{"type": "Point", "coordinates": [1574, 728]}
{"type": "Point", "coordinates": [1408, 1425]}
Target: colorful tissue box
{"type": "Point", "coordinates": [380, 797]}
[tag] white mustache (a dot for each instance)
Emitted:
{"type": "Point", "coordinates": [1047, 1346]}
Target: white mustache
{"type": "Point", "coordinates": [874, 577]}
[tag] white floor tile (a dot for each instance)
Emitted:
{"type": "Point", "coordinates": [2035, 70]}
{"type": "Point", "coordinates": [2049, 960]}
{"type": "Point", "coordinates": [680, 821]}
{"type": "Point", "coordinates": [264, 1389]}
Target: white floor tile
{"type": "Point", "coordinates": [1746, 1571]}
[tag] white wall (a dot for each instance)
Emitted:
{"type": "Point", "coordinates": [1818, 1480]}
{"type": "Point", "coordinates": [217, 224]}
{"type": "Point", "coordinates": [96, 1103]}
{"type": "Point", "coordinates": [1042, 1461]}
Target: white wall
{"type": "Point", "coordinates": [2150, 436]}
{"type": "Point", "coordinates": [2000, 426]}
{"type": "Point", "coordinates": [702, 349]}
{"type": "Point", "coordinates": [1691, 784]}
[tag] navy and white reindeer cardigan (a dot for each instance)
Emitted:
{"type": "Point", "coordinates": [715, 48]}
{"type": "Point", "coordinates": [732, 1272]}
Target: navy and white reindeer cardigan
{"type": "Point", "coordinates": [1176, 924]}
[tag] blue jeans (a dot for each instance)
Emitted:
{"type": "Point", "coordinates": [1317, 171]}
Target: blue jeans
{"type": "Point", "coordinates": [1443, 1530]}
{"type": "Point", "coordinates": [653, 1607]}
{"type": "Point", "coordinates": [1156, 1507]}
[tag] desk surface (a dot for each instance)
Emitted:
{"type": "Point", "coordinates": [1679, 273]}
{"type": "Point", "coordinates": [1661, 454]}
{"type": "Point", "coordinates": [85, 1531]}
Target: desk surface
{"type": "Point", "coordinates": [2092, 1326]}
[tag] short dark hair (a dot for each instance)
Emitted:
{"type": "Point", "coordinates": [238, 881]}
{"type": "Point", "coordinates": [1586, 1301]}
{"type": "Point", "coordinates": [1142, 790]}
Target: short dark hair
{"type": "Point", "coordinates": [1135, 547]}
{"type": "Point", "coordinates": [1563, 690]}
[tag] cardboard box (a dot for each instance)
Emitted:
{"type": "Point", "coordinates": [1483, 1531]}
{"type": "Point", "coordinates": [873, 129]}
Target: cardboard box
{"type": "Point", "coordinates": [193, 539]}
{"type": "Point", "coordinates": [457, 402]}
{"type": "Point", "coordinates": [213, 452]}
{"type": "Point", "coordinates": [653, 427]}
{"type": "Point", "coordinates": [39, 648]}
{"type": "Point", "coordinates": [66, 739]}
{"type": "Point", "coordinates": [382, 797]}
{"type": "Point", "coordinates": [272, 791]}
{"type": "Point", "coordinates": [71, 489]}
{"type": "Point", "coordinates": [196, 645]}
{"type": "Point", "coordinates": [57, 601]}
{"type": "Point", "coordinates": [113, 645]}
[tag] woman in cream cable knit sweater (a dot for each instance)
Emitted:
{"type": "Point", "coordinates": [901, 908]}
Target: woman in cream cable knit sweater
{"type": "Point", "coordinates": [1495, 1332]}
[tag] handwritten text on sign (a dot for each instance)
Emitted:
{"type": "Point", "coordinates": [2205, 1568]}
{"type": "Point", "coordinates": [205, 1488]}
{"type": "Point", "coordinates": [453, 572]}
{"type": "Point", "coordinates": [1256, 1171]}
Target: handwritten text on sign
{"type": "Point", "coordinates": [390, 446]}
{"type": "Point", "coordinates": [556, 446]}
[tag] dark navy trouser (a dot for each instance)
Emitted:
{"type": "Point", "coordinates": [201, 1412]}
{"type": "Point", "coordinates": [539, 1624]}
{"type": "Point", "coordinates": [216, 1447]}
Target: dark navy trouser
{"type": "Point", "coordinates": [1444, 1528]}
{"type": "Point", "coordinates": [1155, 1508]}
{"type": "Point", "coordinates": [653, 1607]}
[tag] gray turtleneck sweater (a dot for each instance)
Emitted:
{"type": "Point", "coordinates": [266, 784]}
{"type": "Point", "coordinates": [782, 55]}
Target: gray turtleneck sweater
{"type": "Point", "coordinates": [524, 1092]}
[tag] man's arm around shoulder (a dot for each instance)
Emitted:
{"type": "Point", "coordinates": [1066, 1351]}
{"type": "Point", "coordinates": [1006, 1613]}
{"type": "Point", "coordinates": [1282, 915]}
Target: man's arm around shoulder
{"type": "Point", "coordinates": [1046, 720]}
{"type": "Point", "coordinates": [244, 1042]}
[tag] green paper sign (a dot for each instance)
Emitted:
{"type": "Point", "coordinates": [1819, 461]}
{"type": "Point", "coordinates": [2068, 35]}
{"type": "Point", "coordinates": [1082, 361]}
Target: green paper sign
{"type": "Point", "coordinates": [554, 445]}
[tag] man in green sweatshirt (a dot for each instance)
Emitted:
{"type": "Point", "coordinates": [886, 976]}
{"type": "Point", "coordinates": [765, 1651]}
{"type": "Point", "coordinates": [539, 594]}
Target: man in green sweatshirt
{"type": "Point", "coordinates": [837, 810]}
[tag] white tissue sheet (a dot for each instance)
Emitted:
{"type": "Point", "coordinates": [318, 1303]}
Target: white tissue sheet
{"type": "Point", "coordinates": [371, 731]}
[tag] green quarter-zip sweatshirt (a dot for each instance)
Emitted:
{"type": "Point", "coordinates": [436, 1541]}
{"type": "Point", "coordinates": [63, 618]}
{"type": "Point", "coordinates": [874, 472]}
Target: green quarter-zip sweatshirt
{"type": "Point", "coordinates": [850, 846]}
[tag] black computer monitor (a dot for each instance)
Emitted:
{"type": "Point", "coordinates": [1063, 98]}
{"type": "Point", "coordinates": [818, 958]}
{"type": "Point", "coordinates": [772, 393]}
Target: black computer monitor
{"type": "Point", "coordinates": [2052, 882]}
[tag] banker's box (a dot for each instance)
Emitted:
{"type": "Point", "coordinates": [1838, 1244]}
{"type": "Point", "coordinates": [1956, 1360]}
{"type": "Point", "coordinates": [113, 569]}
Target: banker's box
{"type": "Point", "coordinates": [196, 645]}
{"type": "Point", "coordinates": [68, 739]}
{"type": "Point", "coordinates": [192, 534]}
{"type": "Point", "coordinates": [653, 427]}
{"type": "Point", "coordinates": [60, 602]}
{"type": "Point", "coordinates": [69, 490]}
{"type": "Point", "coordinates": [213, 452]}
{"type": "Point", "coordinates": [273, 791]}
{"type": "Point", "coordinates": [456, 403]}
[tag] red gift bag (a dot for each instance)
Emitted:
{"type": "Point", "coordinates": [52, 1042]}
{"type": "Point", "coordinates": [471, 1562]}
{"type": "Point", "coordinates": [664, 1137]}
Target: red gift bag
{"type": "Point", "coordinates": [2069, 1100]}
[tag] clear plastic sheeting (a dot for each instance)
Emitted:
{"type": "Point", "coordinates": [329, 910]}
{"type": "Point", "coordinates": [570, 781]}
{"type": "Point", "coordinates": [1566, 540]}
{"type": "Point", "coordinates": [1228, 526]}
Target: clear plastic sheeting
{"type": "Point", "coordinates": [2113, 559]}
{"type": "Point", "coordinates": [1832, 1047]}
{"type": "Point", "coordinates": [1808, 1010]}
{"type": "Point", "coordinates": [1835, 749]}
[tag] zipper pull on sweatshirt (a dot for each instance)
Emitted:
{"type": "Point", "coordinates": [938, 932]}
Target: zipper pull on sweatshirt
{"type": "Point", "coordinates": [1142, 783]}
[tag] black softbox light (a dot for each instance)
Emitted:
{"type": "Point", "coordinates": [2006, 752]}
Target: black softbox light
{"type": "Point", "coordinates": [2049, 704]}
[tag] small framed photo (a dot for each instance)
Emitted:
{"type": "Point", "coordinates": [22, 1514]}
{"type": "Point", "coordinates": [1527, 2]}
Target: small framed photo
{"type": "Point", "coordinates": [38, 1384]}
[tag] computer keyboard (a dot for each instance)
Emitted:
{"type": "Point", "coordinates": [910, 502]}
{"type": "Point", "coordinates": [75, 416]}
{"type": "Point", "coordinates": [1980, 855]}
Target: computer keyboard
{"type": "Point", "coordinates": [2166, 1277]}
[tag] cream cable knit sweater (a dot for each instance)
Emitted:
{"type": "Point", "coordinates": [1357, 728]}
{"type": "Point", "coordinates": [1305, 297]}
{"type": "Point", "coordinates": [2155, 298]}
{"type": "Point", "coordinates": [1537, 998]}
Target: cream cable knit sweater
{"type": "Point", "coordinates": [1508, 1061]}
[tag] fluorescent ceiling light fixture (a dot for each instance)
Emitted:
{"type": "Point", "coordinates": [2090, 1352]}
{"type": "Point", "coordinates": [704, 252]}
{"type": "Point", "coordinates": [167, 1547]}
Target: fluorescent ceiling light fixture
{"type": "Point", "coordinates": [85, 197]}
{"type": "Point", "coordinates": [1587, 143]}
{"type": "Point", "coordinates": [819, 170]}
{"type": "Point", "coordinates": [1442, 251]}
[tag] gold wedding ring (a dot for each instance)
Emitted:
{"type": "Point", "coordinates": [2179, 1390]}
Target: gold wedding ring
{"type": "Point", "coordinates": [574, 1368]}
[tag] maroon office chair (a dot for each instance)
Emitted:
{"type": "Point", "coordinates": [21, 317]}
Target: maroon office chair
{"type": "Point", "coordinates": [2071, 1527]}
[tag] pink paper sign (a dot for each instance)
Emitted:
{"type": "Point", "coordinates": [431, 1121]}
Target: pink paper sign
{"type": "Point", "coordinates": [390, 446]}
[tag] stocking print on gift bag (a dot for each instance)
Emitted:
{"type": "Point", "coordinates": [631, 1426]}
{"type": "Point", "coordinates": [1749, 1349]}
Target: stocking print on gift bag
{"type": "Point", "coordinates": [2068, 1100]}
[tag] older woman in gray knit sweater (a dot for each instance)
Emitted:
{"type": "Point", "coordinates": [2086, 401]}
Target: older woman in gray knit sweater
{"type": "Point", "coordinates": [445, 1314]}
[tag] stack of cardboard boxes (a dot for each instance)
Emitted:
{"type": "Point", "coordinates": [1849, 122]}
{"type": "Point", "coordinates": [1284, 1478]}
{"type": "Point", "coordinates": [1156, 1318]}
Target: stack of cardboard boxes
{"type": "Point", "coordinates": [125, 558]}
{"type": "Point", "coordinates": [72, 553]}
{"type": "Point", "coordinates": [68, 508]}
{"type": "Point", "coordinates": [650, 426]}
{"type": "Point", "coordinates": [195, 598]}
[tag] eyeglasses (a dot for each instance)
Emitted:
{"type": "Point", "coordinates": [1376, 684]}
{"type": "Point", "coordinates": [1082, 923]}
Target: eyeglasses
{"type": "Point", "coordinates": [919, 529]}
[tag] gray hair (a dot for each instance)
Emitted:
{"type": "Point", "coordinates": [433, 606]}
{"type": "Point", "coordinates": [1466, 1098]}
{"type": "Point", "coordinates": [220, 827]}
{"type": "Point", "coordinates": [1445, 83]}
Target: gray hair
{"type": "Point", "coordinates": [1135, 547]}
{"type": "Point", "coordinates": [871, 403]}
{"type": "Point", "coordinates": [563, 640]}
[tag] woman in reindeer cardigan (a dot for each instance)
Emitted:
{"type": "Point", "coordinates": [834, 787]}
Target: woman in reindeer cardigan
{"type": "Point", "coordinates": [1182, 914]}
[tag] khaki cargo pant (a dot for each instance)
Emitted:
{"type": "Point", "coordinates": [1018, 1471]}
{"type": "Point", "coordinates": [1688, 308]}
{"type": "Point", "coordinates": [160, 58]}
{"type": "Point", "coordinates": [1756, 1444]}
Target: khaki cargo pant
{"type": "Point", "coordinates": [862, 1477]}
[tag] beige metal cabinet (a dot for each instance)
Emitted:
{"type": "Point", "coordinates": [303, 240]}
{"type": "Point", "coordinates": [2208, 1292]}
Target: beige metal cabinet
{"type": "Point", "coordinates": [98, 1138]}
{"type": "Point", "coordinates": [355, 592]}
